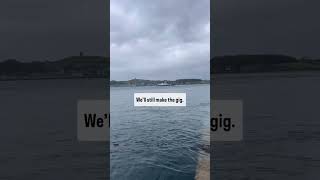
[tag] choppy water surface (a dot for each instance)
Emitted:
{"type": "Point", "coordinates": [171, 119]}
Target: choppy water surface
{"type": "Point", "coordinates": [38, 131]}
{"type": "Point", "coordinates": [281, 128]}
{"type": "Point", "coordinates": [151, 143]}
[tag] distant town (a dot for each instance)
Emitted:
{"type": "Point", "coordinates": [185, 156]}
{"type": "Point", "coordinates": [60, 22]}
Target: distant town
{"type": "Point", "coordinates": [82, 66]}
{"type": "Point", "coordinates": [143, 82]}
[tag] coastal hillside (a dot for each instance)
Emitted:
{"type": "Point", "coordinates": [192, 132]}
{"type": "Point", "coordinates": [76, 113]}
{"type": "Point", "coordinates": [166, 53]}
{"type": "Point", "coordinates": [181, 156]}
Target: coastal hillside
{"type": "Point", "coordinates": [69, 67]}
{"type": "Point", "coordinates": [261, 63]}
{"type": "Point", "coordinates": [144, 82]}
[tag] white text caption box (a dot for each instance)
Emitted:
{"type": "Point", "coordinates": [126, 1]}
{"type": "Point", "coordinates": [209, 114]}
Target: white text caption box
{"type": "Point", "coordinates": [160, 99]}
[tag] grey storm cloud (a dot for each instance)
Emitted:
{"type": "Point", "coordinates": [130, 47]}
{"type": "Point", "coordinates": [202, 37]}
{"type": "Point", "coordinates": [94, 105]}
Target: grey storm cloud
{"type": "Point", "coordinates": [160, 39]}
{"type": "Point", "coordinates": [49, 30]}
{"type": "Point", "coordinates": [287, 27]}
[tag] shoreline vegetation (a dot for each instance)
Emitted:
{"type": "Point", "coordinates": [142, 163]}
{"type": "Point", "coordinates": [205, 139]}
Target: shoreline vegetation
{"type": "Point", "coordinates": [143, 82]}
{"type": "Point", "coordinates": [73, 67]}
{"type": "Point", "coordinates": [239, 64]}
{"type": "Point", "coordinates": [87, 67]}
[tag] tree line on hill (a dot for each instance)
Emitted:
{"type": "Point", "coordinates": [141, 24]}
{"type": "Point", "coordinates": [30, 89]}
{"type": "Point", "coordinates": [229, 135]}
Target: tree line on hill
{"type": "Point", "coordinates": [74, 66]}
{"type": "Point", "coordinates": [261, 63]}
{"type": "Point", "coordinates": [144, 82]}
{"type": "Point", "coordinates": [97, 66]}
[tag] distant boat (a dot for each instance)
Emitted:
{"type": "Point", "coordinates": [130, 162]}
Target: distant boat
{"type": "Point", "coordinates": [164, 84]}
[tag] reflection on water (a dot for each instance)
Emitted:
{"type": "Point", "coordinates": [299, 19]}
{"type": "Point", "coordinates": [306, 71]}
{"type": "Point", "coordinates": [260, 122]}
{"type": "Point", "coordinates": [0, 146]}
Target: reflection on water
{"type": "Point", "coordinates": [149, 143]}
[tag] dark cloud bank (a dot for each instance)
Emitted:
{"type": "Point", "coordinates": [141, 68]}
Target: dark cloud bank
{"type": "Point", "coordinates": [50, 30]}
{"type": "Point", "coordinates": [287, 27]}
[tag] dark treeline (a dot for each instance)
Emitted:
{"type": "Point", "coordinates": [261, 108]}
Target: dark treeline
{"type": "Point", "coordinates": [73, 66]}
{"type": "Point", "coordinates": [261, 63]}
{"type": "Point", "coordinates": [145, 82]}
{"type": "Point", "coordinates": [97, 66]}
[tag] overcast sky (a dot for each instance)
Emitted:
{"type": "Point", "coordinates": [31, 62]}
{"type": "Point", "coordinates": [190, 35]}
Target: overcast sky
{"type": "Point", "coordinates": [288, 27]}
{"type": "Point", "coordinates": [160, 39]}
{"type": "Point", "coordinates": [52, 29]}
{"type": "Point", "coordinates": [171, 31]}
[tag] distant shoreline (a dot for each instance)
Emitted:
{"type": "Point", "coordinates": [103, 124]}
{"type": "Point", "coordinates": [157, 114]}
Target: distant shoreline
{"type": "Point", "coordinates": [262, 63]}
{"type": "Point", "coordinates": [49, 78]}
{"type": "Point", "coordinates": [145, 82]}
{"type": "Point", "coordinates": [284, 74]}
{"type": "Point", "coordinates": [287, 74]}
{"type": "Point", "coordinates": [158, 86]}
